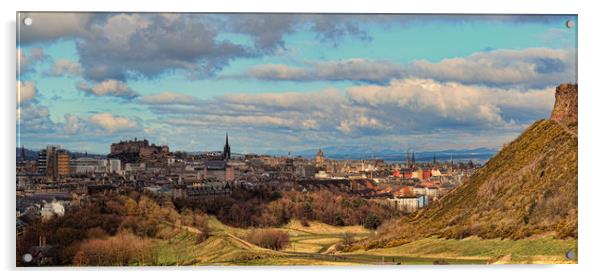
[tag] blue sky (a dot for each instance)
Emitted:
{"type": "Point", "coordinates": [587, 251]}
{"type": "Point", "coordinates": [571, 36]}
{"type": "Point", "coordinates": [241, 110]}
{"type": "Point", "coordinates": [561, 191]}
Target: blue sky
{"type": "Point", "coordinates": [288, 82]}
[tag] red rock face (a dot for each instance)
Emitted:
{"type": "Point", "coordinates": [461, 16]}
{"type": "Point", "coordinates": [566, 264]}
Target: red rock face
{"type": "Point", "coordinates": [565, 108]}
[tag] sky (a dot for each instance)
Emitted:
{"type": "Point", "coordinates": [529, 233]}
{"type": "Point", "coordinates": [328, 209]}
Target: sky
{"type": "Point", "coordinates": [287, 82]}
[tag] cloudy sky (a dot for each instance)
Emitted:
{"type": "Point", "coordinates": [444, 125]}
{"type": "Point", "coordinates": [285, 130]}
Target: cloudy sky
{"type": "Point", "coordinates": [287, 82]}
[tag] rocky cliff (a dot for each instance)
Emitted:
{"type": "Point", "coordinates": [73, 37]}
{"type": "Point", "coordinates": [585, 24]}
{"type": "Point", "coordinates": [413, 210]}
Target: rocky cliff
{"type": "Point", "coordinates": [565, 108]}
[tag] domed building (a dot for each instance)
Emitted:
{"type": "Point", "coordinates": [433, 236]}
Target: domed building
{"type": "Point", "coordinates": [320, 157]}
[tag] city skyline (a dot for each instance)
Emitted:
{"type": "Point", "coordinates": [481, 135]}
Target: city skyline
{"type": "Point", "coordinates": [287, 81]}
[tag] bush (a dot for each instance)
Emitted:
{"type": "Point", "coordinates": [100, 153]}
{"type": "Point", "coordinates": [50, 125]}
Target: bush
{"type": "Point", "coordinates": [304, 222]}
{"type": "Point", "coordinates": [199, 221]}
{"type": "Point", "coordinates": [372, 222]}
{"type": "Point", "coordinates": [269, 238]}
{"type": "Point", "coordinates": [119, 250]}
{"type": "Point", "coordinates": [347, 238]}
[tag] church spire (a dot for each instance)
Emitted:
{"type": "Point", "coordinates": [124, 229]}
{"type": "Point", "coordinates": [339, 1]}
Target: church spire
{"type": "Point", "coordinates": [22, 153]}
{"type": "Point", "coordinates": [226, 154]}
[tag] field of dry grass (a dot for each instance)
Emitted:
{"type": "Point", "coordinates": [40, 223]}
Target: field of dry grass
{"type": "Point", "coordinates": [531, 250]}
{"type": "Point", "coordinates": [310, 246]}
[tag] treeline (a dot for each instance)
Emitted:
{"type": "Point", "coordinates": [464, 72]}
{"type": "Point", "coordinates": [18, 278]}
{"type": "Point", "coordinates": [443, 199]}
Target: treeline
{"type": "Point", "coordinates": [266, 208]}
{"type": "Point", "coordinates": [111, 230]}
{"type": "Point", "coordinates": [123, 229]}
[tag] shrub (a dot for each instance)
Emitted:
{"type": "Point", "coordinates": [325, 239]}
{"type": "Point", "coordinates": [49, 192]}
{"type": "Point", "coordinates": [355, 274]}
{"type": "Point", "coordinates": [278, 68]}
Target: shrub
{"type": "Point", "coordinates": [199, 221]}
{"type": "Point", "coordinates": [372, 222]}
{"type": "Point", "coordinates": [304, 222]}
{"type": "Point", "coordinates": [269, 238]}
{"type": "Point", "coordinates": [122, 249]}
{"type": "Point", "coordinates": [96, 232]}
{"type": "Point", "coordinates": [347, 238]}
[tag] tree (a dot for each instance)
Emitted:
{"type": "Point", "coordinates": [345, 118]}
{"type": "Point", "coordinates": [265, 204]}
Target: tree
{"type": "Point", "coordinates": [269, 238]}
{"type": "Point", "coordinates": [308, 210]}
{"type": "Point", "coordinates": [338, 220]}
{"type": "Point", "coordinates": [371, 222]}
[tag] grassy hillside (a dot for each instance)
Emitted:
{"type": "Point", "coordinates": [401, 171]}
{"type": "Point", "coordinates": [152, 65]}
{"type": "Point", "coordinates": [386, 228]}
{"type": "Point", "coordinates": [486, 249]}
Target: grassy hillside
{"type": "Point", "coordinates": [310, 246]}
{"type": "Point", "coordinates": [528, 188]}
{"type": "Point", "coordinates": [227, 245]}
{"type": "Point", "coordinates": [475, 250]}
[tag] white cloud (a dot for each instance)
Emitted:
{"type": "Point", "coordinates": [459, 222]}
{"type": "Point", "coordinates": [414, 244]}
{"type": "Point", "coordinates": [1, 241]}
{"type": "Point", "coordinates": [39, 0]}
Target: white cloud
{"type": "Point", "coordinates": [27, 60]}
{"type": "Point", "coordinates": [34, 118]}
{"type": "Point", "coordinates": [533, 67]}
{"type": "Point", "coordinates": [168, 98]}
{"type": "Point", "coordinates": [357, 69]}
{"type": "Point", "coordinates": [112, 123]}
{"type": "Point", "coordinates": [65, 67]}
{"type": "Point", "coordinates": [108, 87]}
{"type": "Point", "coordinates": [26, 90]}
{"type": "Point", "coordinates": [358, 122]}
{"type": "Point", "coordinates": [403, 107]}
{"type": "Point", "coordinates": [73, 124]}
{"type": "Point", "coordinates": [524, 68]}
{"type": "Point", "coordinates": [439, 104]}
{"type": "Point", "coordinates": [277, 72]}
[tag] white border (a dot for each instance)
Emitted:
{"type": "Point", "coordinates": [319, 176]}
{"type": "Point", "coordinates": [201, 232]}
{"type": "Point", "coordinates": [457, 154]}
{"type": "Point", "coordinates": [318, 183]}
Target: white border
{"type": "Point", "coordinates": [589, 113]}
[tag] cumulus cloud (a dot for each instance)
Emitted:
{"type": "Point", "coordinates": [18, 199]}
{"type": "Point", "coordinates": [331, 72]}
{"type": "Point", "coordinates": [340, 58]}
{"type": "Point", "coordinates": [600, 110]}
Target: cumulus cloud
{"type": "Point", "coordinates": [266, 30]}
{"type": "Point", "coordinates": [112, 123]}
{"type": "Point", "coordinates": [434, 105]}
{"type": "Point", "coordinates": [32, 113]}
{"type": "Point", "coordinates": [355, 69]}
{"type": "Point", "coordinates": [26, 90]}
{"type": "Point", "coordinates": [92, 133]}
{"type": "Point", "coordinates": [402, 107]}
{"type": "Point", "coordinates": [131, 45]}
{"type": "Point", "coordinates": [26, 61]}
{"type": "Point", "coordinates": [168, 98]}
{"type": "Point", "coordinates": [108, 87]}
{"type": "Point", "coordinates": [278, 72]}
{"type": "Point", "coordinates": [33, 118]}
{"type": "Point", "coordinates": [534, 67]}
{"type": "Point", "coordinates": [65, 67]}
{"type": "Point", "coordinates": [52, 26]}
{"type": "Point", "coordinates": [73, 124]}
{"type": "Point", "coordinates": [121, 46]}
{"type": "Point", "coordinates": [333, 28]}
{"type": "Point", "coordinates": [527, 68]}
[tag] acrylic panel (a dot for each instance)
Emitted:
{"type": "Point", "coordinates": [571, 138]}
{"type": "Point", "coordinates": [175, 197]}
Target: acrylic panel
{"type": "Point", "coordinates": [163, 139]}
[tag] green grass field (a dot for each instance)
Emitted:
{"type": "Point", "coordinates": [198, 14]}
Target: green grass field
{"type": "Point", "coordinates": [312, 246]}
{"type": "Point", "coordinates": [533, 250]}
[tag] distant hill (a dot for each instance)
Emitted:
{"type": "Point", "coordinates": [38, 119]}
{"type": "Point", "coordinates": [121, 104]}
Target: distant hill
{"type": "Point", "coordinates": [528, 188]}
{"type": "Point", "coordinates": [33, 154]}
{"type": "Point", "coordinates": [29, 154]}
{"type": "Point", "coordinates": [394, 155]}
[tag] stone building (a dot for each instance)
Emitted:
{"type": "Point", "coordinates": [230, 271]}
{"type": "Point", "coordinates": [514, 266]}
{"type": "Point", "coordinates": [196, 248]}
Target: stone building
{"type": "Point", "coordinates": [137, 151]}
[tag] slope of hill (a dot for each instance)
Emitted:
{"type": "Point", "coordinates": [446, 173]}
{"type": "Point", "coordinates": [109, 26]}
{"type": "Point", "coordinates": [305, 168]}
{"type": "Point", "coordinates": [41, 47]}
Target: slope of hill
{"type": "Point", "coordinates": [528, 188]}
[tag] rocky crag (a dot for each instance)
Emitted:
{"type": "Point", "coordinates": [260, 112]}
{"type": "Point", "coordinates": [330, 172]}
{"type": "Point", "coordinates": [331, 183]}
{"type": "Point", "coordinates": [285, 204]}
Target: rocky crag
{"type": "Point", "coordinates": [566, 106]}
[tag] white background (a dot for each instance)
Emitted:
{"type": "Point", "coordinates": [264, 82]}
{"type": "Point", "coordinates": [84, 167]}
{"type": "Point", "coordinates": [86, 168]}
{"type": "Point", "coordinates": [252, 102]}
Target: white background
{"type": "Point", "coordinates": [590, 80]}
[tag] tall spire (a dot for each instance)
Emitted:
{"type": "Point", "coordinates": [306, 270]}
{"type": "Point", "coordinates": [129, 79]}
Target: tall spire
{"type": "Point", "coordinates": [226, 154]}
{"type": "Point", "coordinates": [22, 153]}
